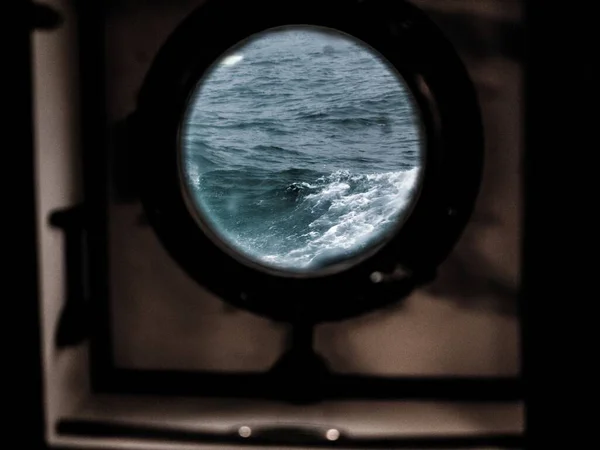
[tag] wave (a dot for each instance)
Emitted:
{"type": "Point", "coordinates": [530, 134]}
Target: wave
{"type": "Point", "coordinates": [357, 208]}
{"type": "Point", "coordinates": [310, 222]}
{"type": "Point", "coordinates": [276, 61]}
{"type": "Point", "coordinates": [362, 121]}
{"type": "Point", "coordinates": [280, 153]}
{"type": "Point", "coordinates": [353, 122]}
{"type": "Point", "coordinates": [313, 115]}
{"type": "Point", "coordinates": [199, 129]}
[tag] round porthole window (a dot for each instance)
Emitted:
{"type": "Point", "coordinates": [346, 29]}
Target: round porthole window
{"type": "Point", "coordinates": [301, 151]}
{"type": "Point", "coordinates": [308, 161]}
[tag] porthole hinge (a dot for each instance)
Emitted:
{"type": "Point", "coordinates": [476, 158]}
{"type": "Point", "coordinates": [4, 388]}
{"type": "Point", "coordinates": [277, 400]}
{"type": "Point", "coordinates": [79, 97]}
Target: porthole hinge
{"type": "Point", "coordinates": [72, 325]}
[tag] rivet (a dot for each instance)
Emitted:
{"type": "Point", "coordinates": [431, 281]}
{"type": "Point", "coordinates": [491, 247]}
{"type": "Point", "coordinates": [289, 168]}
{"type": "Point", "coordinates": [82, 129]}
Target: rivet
{"type": "Point", "coordinates": [376, 277]}
{"type": "Point", "coordinates": [245, 431]}
{"type": "Point", "coordinates": [332, 434]}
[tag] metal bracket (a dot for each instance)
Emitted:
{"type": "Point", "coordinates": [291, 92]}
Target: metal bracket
{"type": "Point", "coordinates": [72, 329]}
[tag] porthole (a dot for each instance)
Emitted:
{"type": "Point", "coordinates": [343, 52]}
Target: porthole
{"type": "Point", "coordinates": [308, 162]}
{"type": "Point", "coordinates": [301, 151]}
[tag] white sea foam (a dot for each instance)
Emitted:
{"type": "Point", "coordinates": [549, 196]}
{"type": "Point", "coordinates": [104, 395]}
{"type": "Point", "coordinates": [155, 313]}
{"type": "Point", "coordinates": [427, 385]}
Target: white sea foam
{"type": "Point", "coordinates": [361, 209]}
{"type": "Point", "coordinates": [193, 174]}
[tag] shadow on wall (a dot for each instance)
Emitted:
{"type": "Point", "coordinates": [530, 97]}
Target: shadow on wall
{"type": "Point", "coordinates": [483, 270]}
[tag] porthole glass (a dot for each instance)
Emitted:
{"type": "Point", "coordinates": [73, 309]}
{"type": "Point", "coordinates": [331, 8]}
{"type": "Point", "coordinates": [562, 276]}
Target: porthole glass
{"type": "Point", "coordinates": [301, 150]}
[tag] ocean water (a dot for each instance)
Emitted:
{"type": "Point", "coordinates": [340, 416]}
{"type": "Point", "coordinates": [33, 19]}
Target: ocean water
{"type": "Point", "coordinates": [301, 149]}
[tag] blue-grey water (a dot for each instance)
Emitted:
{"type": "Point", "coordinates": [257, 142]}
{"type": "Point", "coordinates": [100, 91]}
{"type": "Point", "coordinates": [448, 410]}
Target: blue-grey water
{"type": "Point", "coordinates": [301, 149]}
